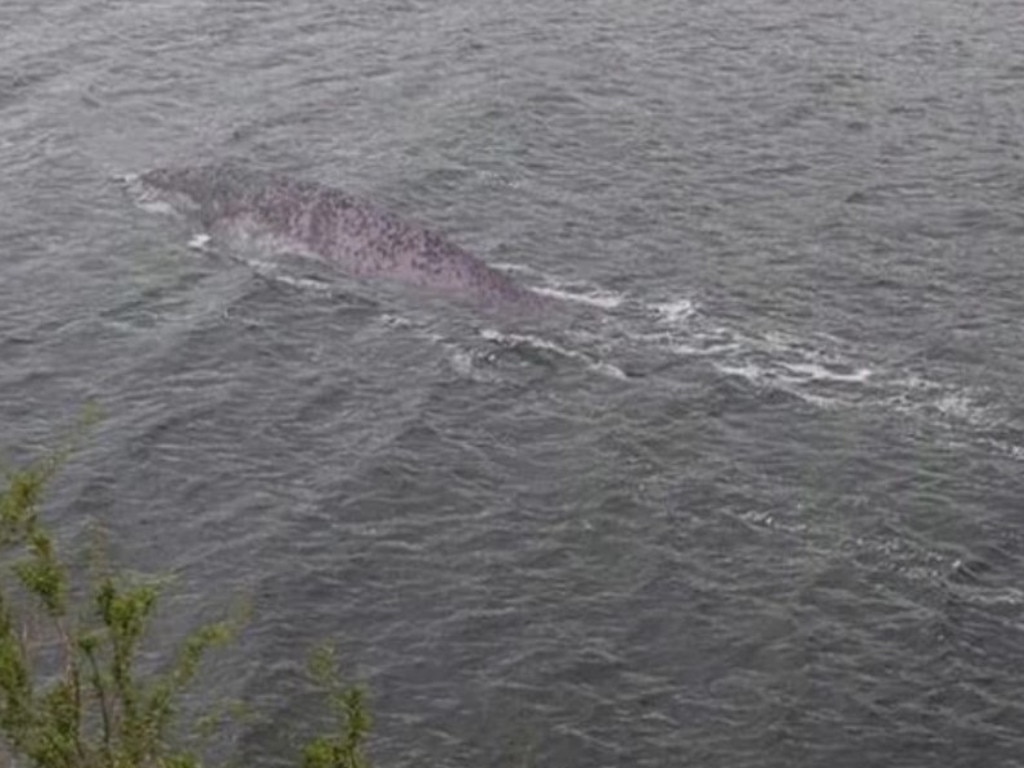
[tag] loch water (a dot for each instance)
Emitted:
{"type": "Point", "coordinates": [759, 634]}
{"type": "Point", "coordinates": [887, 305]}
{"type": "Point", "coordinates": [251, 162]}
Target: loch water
{"type": "Point", "coordinates": [752, 496]}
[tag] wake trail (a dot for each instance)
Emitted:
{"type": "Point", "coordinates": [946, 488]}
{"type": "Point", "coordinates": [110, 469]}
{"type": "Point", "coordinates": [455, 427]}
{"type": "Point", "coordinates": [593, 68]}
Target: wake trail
{"type": "Point", "coordinates": [609, 333]}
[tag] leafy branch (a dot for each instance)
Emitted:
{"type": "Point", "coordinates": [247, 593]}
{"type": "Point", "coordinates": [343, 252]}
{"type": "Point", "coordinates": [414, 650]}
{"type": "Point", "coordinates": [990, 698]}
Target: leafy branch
{"type": "Point", "coordinates": [71, 695]}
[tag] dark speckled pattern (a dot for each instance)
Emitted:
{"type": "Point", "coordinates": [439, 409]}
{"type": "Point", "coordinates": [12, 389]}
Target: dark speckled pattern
{"type": "Point", "coordinates": [323, 222]}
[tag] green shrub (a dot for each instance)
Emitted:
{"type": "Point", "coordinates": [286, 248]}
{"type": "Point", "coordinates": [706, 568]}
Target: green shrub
{"type": "Point", "coordinates": [343, 749]}
{"type": "Point", "coordinates": [71, 694]}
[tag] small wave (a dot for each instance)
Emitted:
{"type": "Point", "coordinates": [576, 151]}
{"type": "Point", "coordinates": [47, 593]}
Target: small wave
{"type": "Point", "coordinates": [600, 299]}
{"type": "Point", "coordinates": [917, 394]}
{"type": "Point", "coordinates": [770, 378]}
{"type": "Point", "coordinates": [495, 178]}
{"type": "Point", "coordinates": [766, 359]}
{"type": "Point", "coordinates": [508, 266]}
{"type": "Point", "coordinates": [397, 321]}
{"type": "Point", "coordinates": [275, 275]}
{"type": "Point", "coordinates": [706, 348]}
{"type": "Point", "coordinates": [1006, 448]}
{"type": "Point", "coordinates": [535, 342]}
{"type": "Point", "coordinates": [462, 362]}
{"type": "Point", "coordinates": [199, 242]}
{"type": "Point", "coordinates": [142, 197]}
{"type": "Point", "coordinates": [817, 372]}
{"type": "Point", "coordinates": [674, 311]}
{"type": "Point", "coordinates": [960, 405]}
{"type": "Point", "coordinates": [558, 288]}
{"type": "Point", "coordinates": [157, 206]}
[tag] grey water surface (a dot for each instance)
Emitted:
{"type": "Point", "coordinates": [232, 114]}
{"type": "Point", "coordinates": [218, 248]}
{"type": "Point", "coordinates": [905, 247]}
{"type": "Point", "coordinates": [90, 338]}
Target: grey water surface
{"type": "Point", "coordinates": [752, 497]}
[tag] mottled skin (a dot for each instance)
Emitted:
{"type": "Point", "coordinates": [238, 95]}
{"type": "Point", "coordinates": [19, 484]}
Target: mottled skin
{"type": "Point", "coordinates": [325, 223]}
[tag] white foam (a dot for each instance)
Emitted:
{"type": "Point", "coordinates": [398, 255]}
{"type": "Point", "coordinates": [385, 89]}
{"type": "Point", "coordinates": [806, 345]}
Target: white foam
{"type": "Point", "coordinates": [959, 406]}
{"type": "Point", "coordinates": [397, 321]}
{"type": "Point", "coordinates": [199, 241]}
{"type": "Point", "coordinates": [707, 350]}
{"type": "Point", "coordinates": [752, 373]}
{"type": "Point", "coordinates": [956, 404]}
{"type": "Point", "coordinates": [609, 370]}
{"type": "Point", "coordinates": [461, 361]}
{"type": "Point", "coordinates": [761, 377]}
{"type": "Point", "coordinates": [598, 366]}
{"type": "Point", "coordinates": [675, 311]}
{"type": "Point", "coordinates": [818, 372]}
{"type": "Point", "coordinates": [306, 283]}
{"type": "Point", "coordinates": [1015, 452]}
{"type": "Point", "coordinates": [601, 299]}
{"type": "Point", "coordinates": [159, 207]}
{"type": "Point", "coordinates": [992, 596]}
{"type": "Point", "coordinates": [495, 178]}
{"type": "Point", "coordinates": [272, 273]}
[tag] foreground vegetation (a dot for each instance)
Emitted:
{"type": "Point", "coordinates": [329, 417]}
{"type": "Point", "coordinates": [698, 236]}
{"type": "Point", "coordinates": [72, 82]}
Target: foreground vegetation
{"type": "Point", "coordinates": [71, 691]}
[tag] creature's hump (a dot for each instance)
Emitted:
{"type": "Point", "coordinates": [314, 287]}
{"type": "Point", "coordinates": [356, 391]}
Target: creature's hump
{"type": "Point", "coordinates": [270, 191]}
{"type": "Point", "coordinates": [355, 234]}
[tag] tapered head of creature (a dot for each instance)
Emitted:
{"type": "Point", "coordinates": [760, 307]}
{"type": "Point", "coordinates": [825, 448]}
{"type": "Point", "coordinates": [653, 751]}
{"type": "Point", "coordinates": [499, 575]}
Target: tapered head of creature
{"type": "Point", "coordinates": [167, 190]}
{"type": "Point", "coordinates": [190, 190]}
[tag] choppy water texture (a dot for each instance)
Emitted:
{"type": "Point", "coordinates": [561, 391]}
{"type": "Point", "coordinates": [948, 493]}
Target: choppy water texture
{"type": "Point", "coordinates": [752, 496]}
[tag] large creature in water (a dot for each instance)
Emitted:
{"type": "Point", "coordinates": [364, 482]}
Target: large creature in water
{"type": "Point", "coordinates": [323, 223]}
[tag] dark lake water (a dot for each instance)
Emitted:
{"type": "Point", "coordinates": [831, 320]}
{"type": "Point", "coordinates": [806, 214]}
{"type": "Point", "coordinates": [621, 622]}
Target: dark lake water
{"type": "Point", "coordinates": [754, 498]}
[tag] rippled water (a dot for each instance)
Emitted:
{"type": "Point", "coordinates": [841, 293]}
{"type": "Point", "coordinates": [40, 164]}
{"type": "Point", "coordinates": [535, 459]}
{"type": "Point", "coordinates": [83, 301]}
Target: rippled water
{"type": "Point", "coordinates": [753, 497]}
